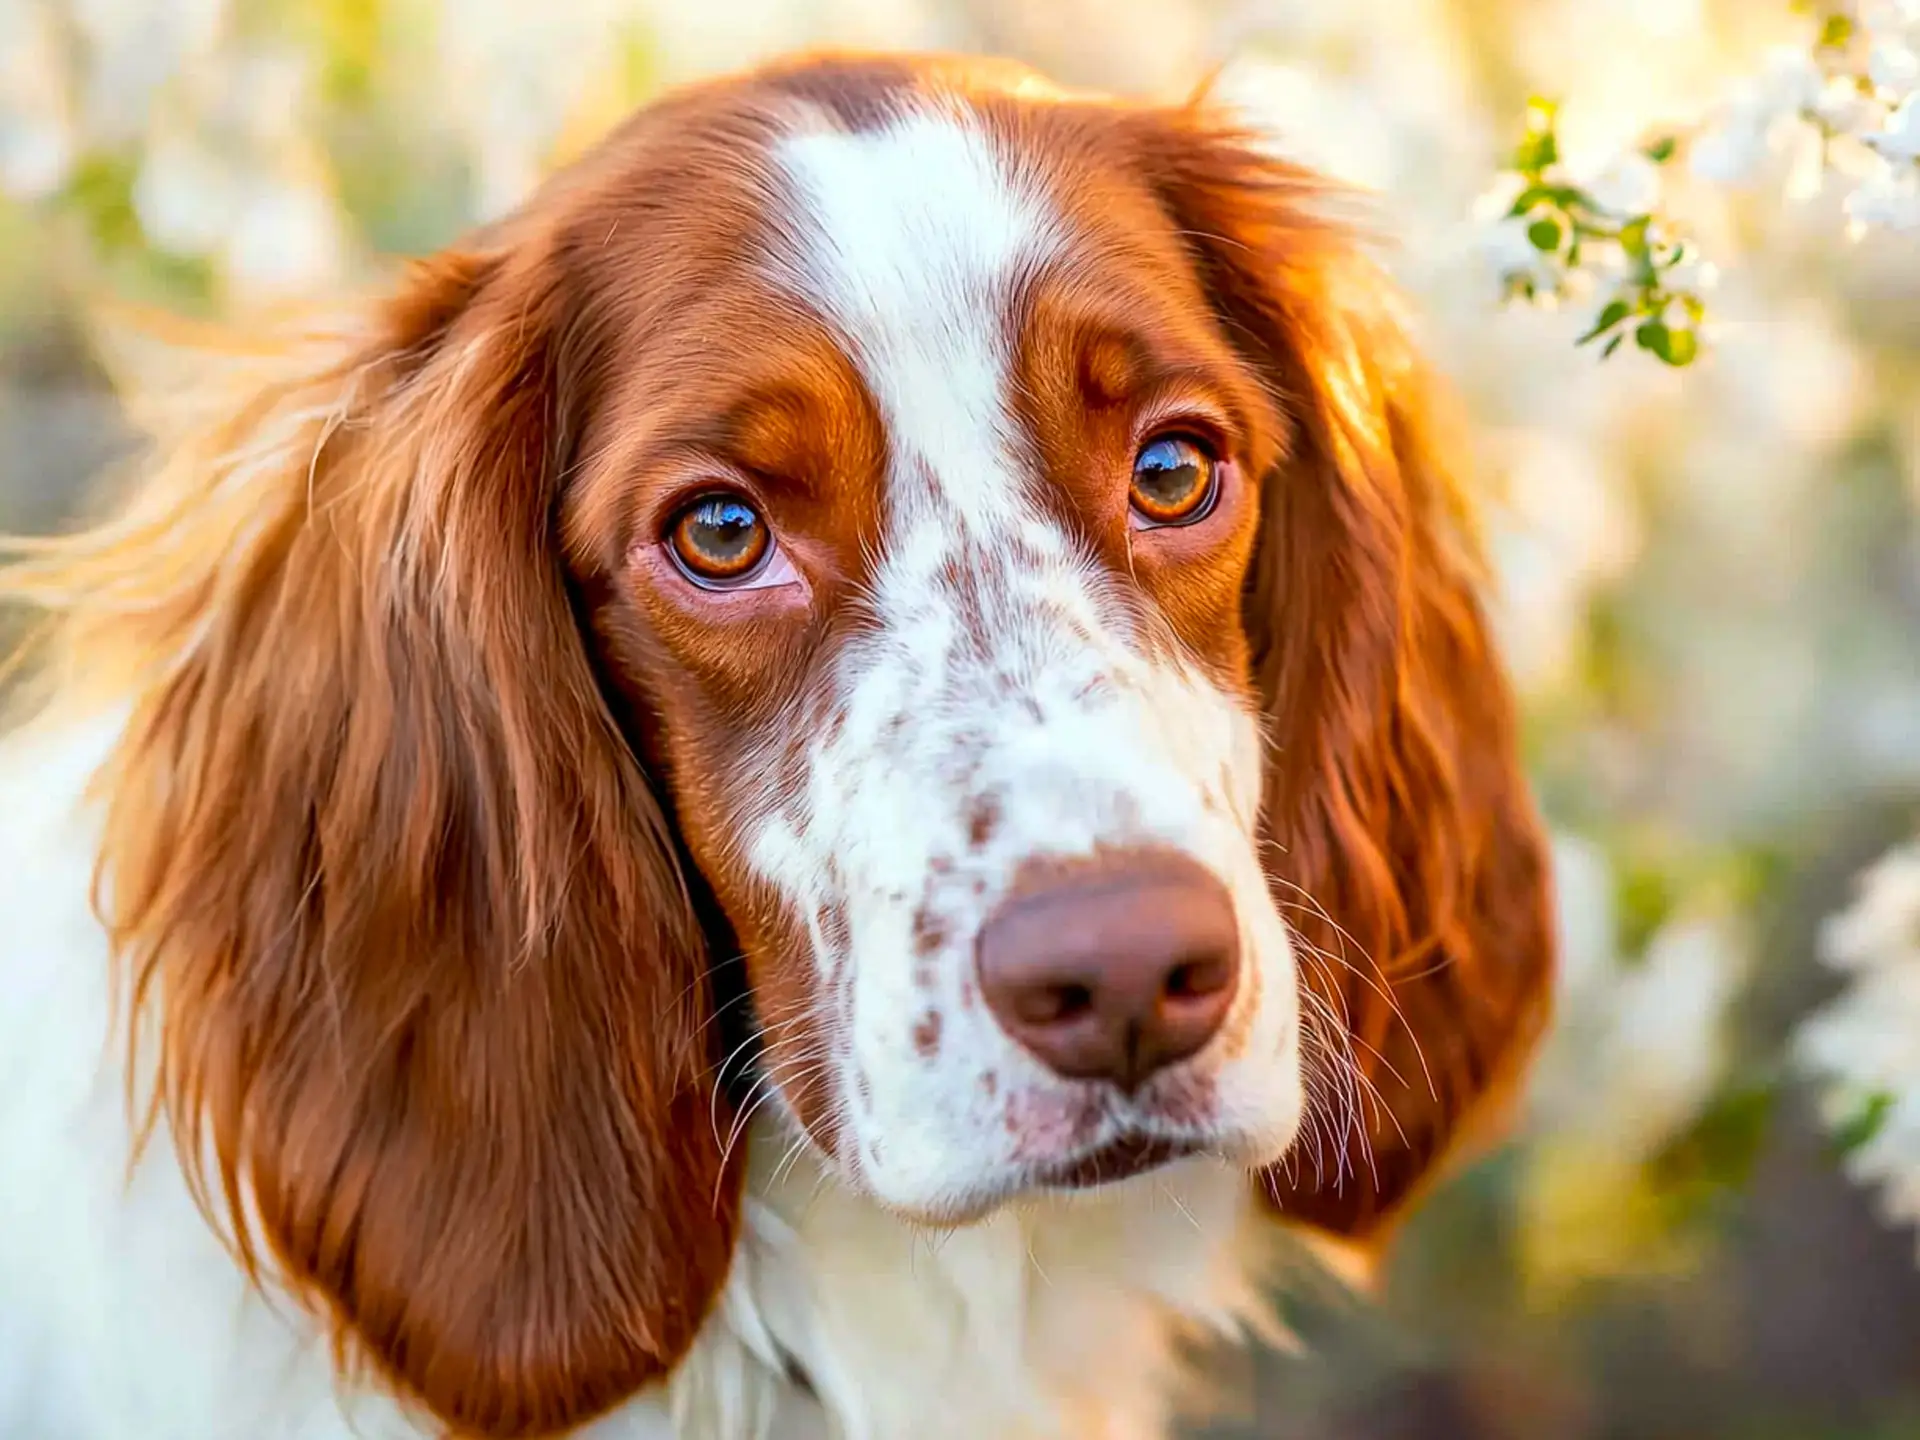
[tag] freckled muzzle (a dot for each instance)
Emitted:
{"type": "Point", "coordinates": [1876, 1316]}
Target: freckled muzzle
{"type": "Point", "coordinates": [1114, 969]}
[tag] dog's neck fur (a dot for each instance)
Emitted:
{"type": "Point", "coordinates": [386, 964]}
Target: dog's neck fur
{"type": "Point", "coordinates": [121, 1313]}
{"type": "Point", "coordinates": [1060, 1317]}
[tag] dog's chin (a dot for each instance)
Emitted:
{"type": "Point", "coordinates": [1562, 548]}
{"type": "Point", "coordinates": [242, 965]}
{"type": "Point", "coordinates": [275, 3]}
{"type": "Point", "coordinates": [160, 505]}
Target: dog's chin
{"type": "Point", "coordinates": [1114, 1163]}
{"type": "Point", "coordinates": [1096, 1171]}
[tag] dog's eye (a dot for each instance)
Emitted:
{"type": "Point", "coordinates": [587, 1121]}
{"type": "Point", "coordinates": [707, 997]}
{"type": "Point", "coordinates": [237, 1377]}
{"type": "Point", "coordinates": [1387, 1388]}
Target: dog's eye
{"type": "Point", "coordinates": [1174, 481]}
{"type": "Point", "coordinates": [720, 540]}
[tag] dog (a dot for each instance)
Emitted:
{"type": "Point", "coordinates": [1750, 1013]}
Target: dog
{"type": "Point", "coordinates": [814, 787]}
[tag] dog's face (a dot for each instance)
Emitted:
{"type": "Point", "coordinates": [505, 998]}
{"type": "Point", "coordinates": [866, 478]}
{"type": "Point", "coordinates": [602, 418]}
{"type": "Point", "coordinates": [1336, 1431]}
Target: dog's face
{"type": "Point", "coordinates": [921, 531]}
{"type": "Point", "coordinates": [885, 592]}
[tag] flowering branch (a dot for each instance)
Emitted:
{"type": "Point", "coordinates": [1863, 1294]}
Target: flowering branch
{"type": "Point", "coordinates": [1558, 238]}
{"type": "Point", "coordinates": [1847, 102]}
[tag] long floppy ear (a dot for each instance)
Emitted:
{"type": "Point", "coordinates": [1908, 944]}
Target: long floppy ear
{"type": "Point", "coordinates": [392, 895]}
{"type": "Point", "coordinates": [1405, 849]}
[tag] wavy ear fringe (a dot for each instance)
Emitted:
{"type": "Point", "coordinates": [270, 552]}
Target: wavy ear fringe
{"type": "Point", "coordinates": [388, 886]}
{"type": "Point", "coordinates": [1409, 858]}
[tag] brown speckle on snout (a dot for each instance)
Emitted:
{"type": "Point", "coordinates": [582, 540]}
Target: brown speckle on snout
{"type": "Point", "coordinates": [926, 1035]}
{"type": "Point", "coordinates": [929, 931]}
{"type": "Point", "coordinates": [983, 818]}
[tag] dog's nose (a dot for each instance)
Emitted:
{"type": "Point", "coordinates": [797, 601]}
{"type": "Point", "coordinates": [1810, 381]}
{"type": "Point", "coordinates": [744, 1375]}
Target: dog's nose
{"type": "Point", "coordinates": [1115, 970]}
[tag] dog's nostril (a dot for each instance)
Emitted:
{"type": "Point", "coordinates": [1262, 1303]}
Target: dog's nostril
{"type": "Point", "coordinates": [1197, 979]}
{"type": "Point", "coordinates": [1045, 1004]}
{"type": "Point", "coordinates": [1069, 1002]}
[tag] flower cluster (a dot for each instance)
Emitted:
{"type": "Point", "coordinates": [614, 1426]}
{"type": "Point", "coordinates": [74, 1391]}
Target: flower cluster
{"type": "Point", "coordinates": [252, 148]}
{"type": "Point", "coordinates": [1847, 106]}
{"type": "Point", "coordinates": [1860, 1047]}
{"type": "Point", "coordinates": [165, 129]}
{"type": "Point", "coordinates": [1554, 237]}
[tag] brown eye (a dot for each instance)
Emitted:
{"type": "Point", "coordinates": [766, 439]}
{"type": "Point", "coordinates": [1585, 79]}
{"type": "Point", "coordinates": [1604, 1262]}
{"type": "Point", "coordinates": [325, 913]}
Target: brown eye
{"type": "Point", "coordinates": [1174, 481]}
{"type": "Point", "coordinates": [719, 539]}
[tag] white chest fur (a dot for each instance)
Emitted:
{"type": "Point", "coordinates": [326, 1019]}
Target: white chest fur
{"type": "Point", "coordinates": [122, 1315]}
{"type": "Point", "coordinates": [1056, 1319]}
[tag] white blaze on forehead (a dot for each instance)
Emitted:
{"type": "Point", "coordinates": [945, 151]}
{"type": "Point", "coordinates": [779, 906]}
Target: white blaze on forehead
{"type": "Point", "coordinates": [914, 239]}
{"type": "Point", "coordinates": [1002, 706]}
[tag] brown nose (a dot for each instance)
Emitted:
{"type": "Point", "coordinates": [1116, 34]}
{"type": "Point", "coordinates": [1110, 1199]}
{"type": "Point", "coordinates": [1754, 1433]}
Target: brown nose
{"type": "Point", "coordinates": [1115, 971]}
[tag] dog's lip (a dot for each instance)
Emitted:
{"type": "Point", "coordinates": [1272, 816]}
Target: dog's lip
{"type": "Point", "coordinates": [1119, 1159]}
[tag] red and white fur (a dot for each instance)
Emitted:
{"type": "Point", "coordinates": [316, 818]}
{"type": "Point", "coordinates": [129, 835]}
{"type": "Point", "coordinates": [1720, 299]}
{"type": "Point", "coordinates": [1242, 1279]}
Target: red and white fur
{"type": "Point", "coordinates": [458, 975]}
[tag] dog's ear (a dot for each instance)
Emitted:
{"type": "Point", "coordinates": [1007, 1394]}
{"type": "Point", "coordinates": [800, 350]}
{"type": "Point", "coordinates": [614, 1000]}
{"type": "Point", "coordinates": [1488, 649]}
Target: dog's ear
{"type": "Point", "coordinates": [1405, 849]}
{"type": "Point", "coordinates": [394, 899]}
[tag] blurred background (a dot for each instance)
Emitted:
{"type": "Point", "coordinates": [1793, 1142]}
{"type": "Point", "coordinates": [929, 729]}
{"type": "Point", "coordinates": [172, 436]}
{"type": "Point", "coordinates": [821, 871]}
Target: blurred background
{"type": "Point", "coordinates": [1710, 592]}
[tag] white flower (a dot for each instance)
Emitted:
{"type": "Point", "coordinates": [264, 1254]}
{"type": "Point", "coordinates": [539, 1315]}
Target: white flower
{"type": "Point", "coordinates": [1562, 531]}
{"type": "Point", "coordinates": [1863, 1041]}
{"type": "Point", "coordinates": [1887, 201]}
{"type": "Point", "coordinates": [1863, 1045]}
{"type": "Point", "coordinates": [1882, 926]}
{"type": "Point", "coordinates": [1844, 109]}
{"type": "Point", "coordinates": [286, 240]}
{"type": "Point", "coordinates": [1765, 116]}
{"type": "Point", "coordinates": [1792, 81]}
{"type": "Point", "coordinates": [36, 156]}
{"type": "Point", "coordinates": [1513, 256]}
{"type": "Point", "coordinates": [1629, 186]}
{"type": "Point", "coordinates": [1806, 156]}
{"type": "Point", "coordinates": [1493, 203]}
{"type": "Point", "coordinates": [185, 196]}
{"type": "Point", "coordinates": [1734, 147]}
{"type": "Point", "coordinates": [1670, 1018]}
{"type": "Point", "coordinates": [1893, 65]}
{"type": "Point", "coordinates": [1900, 140]}
{"type": "Point", "coordinates": [262, 95]}
{"type": "Point", "coordinates": [1691, 276]}
{"type": "Point", "coordinates": [507, 86]}
{"type": "Point", "coordinates": [1730, 154]}
{"type": "Point", "coordinates": [137, 48]}
{"type": "Point", "coordinates": [1637, 1045]}
{"type": "Point", "coordinates": [1891, 19]}
{"type": "Point", "coordinates": [37, 141]}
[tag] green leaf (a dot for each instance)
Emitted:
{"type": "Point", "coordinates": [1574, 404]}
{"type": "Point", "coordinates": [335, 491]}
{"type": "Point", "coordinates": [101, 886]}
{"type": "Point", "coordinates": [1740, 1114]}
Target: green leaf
{"type": "Point", "coordinates": [1859, 1128]}
{"type": "Point", "coordinates": [1754, 873]}
{"type": "Point", "coordinates": [1541, 146]}
{"type": "Point", "coordinates": [1835, 31]}
{"type": "Point", "coordinates": [1613, 345]}
{"type": "Point", "coordinates": [1644, 895]}
{"type": "Point", "coordinates": [1545, 233]}
{"type": "Point", "coordinates": [1683, 348]}
{"type": "Point", "coordinates": [1661, 150]}
{"type": "Point", "coordinates": [101, 190]}
{"type": "Point", "coordinates": [1536, 153]}
{"type": "Point", "coordinates": [1676, 347]}
{"type": "Point", "coordinates": [349, 37]}
{"type": "Point", "coordinates": [1633, 238]}
{"type": "Point", "coordinates": [1717, 1153]}
{"type": "Point", "coordinates": [1542, 194]}
{"type": "Point", "coordinates": [1615, 312]}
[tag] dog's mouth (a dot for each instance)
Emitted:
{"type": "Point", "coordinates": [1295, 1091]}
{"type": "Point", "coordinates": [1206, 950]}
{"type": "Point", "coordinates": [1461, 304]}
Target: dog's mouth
{"type": "Point", "coordinates": [1117, 1160]}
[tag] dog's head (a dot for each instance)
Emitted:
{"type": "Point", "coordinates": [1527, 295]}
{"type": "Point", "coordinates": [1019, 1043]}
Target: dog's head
{"type": "Point", "coordinates": [885, 592]}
